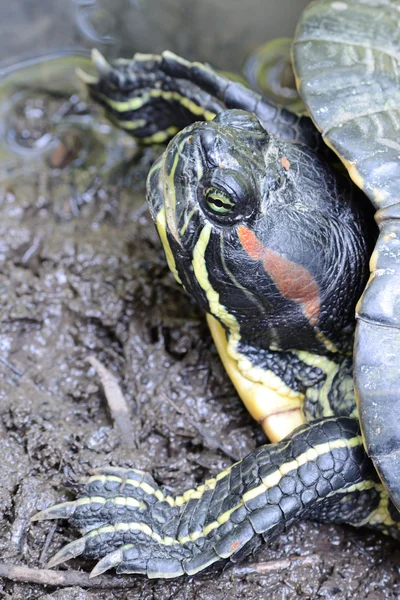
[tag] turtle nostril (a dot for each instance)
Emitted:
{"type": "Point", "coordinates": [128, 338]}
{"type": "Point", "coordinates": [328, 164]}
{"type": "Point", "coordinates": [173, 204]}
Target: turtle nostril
{"type": "Point", "coordinates": [208, 141]}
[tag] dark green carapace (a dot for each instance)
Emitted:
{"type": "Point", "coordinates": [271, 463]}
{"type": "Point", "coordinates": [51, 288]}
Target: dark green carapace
{"type": "Point", "coordinates": [273, 242]}
{"type": "Point", "coordinates": [346, 57]}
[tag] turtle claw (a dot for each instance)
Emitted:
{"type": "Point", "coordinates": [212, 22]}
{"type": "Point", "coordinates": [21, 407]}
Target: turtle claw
{"type": "Point", "coordinates": [71, 550]}
{"type": "Point", "coordinates": [103, 67]}
{"type": "Point", "coordinates": [86, 78]}
{"type": "Point", "coordinates": [65, 510]}
{"type": "Point", "coordinates": [126, 524]}
{"type": "Point", "coordinates": [110, 561]}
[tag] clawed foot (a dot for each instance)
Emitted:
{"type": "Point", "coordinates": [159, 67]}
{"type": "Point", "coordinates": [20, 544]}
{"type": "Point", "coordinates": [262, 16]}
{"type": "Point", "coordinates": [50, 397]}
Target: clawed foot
{"type": "Point", "coordinates": [126, 521]}
{"type": "Point", "coordinates": [130, 525]}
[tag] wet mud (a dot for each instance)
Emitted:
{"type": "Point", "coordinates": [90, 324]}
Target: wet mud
{"type": "Point", "coordinates": [82, 274]}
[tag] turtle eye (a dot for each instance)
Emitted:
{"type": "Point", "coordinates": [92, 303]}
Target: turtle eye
{"type": "Point", "coordinates": [226, 196]}
{"type": "Point", "coordinates": [218, 201]}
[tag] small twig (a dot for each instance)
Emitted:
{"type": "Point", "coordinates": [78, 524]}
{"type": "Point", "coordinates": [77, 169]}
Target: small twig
{"type": "Point", "coordinates": [277, 565]}
{"type": "Point", "coordinates": [34, 247]}
{"type": "Point", "coordinates": [49, 537]}
{"type": "Point", "coordinates": [172, 403]}
{"type": "Point", "coordinates": [11, 366]}
{"type": "Point", "coordinates": [117, 404]}
{"type": "Point", "coordinates": [78, 578]}
{"type": "Point", "coordinates": [63, 578]}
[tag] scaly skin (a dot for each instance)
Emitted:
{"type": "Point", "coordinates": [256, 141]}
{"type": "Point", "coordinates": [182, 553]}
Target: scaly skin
{"type": "Point", "coordinates": [132, 526]}
{"type": "Point", "coordinates": [273, 244]}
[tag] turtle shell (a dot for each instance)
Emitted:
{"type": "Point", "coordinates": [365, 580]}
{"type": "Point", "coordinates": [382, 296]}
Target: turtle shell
{"type": "Point", "coordinates": [346, 58]}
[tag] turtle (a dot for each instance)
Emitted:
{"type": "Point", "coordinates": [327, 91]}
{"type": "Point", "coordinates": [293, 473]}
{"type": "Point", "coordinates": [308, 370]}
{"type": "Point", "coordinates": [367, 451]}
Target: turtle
{"type": "Point", "coordinates": [273, 241]}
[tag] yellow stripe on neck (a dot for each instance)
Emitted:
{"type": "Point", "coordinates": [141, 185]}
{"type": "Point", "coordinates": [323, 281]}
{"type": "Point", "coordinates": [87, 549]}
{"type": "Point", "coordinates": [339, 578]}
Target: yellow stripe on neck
{"type": "Point", "coordinates": [269, 400]}
{"type": "Point", "coordinates": [161, 225]}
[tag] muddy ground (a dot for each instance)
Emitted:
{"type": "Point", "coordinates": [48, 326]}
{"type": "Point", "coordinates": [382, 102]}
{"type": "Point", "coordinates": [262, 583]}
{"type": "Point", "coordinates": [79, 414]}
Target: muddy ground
{"type": "Point", "coordinates": [82, 274]}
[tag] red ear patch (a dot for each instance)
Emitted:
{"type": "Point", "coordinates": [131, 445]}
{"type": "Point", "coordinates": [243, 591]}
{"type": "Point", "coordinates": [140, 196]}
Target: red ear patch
{"type": "Point", "coordinates": [292, 280]}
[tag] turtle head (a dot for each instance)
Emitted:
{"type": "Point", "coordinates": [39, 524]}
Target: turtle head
{"type": "Point", "coordinates": [262, 234]}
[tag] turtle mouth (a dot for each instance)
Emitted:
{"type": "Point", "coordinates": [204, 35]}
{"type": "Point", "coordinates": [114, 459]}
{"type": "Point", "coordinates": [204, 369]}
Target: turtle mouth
{"type": "Point", "coordinates": [161, 198]}
{"type": "Point", "coordinates": [172, 188]}
{"type": "Point", "coordinates": [154, 192]}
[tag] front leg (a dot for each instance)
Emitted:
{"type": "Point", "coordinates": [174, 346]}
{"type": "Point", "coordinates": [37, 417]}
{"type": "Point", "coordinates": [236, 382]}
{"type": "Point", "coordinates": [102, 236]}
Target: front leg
{"type": "Point", "coordinates": [130, 524]}
{"type": "Point", "coordinates": [152, 97]}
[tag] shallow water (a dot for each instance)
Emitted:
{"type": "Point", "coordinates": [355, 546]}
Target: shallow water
{"type": "Point", "coordinates": [222, 32]}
